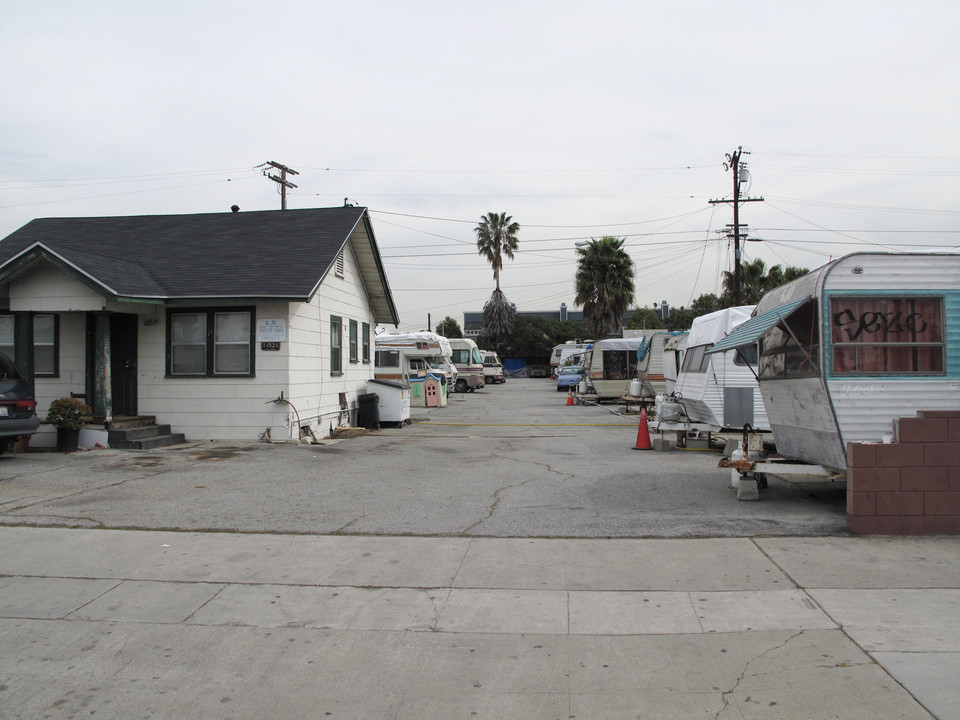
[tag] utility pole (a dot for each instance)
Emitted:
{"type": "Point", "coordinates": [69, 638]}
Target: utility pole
{"type": "Point", "coordinates": [281, 180]}
{"type": "Point", "coordinates": [739, 171]}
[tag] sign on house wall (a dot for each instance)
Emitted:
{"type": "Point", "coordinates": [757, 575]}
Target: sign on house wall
{"type": "Point", "coordinates": [271, 332]}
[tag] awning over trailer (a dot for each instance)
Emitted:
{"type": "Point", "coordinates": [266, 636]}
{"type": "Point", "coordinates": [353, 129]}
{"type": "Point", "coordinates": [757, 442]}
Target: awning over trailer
{"type": "Point", "coordinates": [752, 329]}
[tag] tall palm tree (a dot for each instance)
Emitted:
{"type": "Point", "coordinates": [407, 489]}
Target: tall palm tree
{"type": "Point", "coordinates": [756, 279]}
{"type": "Point", "coordinates": [604, 284]}
{"type": "Point", "coordinates": [496, 237]}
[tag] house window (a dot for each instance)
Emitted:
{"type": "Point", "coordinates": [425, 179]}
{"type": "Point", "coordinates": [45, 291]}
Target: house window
{"type": "Point", "coordinates": [46, 342]}
{"type": "Point", "coordinates": [365, 342]}
{"type": "Point", "coordinates": [336, 345]}
{"type": "Point", "coordinates": [354, 349]}
{"type": "Point", "coordinates": [211, 343]}
{"type": "Point", "coordinates": [887, 335]}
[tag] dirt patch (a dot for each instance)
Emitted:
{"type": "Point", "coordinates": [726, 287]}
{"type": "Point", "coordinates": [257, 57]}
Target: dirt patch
{"type": "Point", "coordinates": [221, 453]}
{"type": "Point", "coordinates": [348, 433]}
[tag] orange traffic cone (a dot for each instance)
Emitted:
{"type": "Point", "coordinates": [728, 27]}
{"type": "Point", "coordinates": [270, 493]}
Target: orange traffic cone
{"type": "Point", "coordinates": [643, 433]}
{"type": "Point", "coordinates": [570, 398]}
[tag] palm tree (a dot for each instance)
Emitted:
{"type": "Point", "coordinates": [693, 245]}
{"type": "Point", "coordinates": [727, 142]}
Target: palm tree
{"type": "Point", "coordinates": [755, 280]}
{"type": "Point", "coordinates": [496, 237]}
{"type": "Point", "coordinates": [604, 284]}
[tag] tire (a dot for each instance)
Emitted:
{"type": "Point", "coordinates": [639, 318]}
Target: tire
{"type": "Point", "coordinates": [461, 386]}
{"type": "Point", "coordinates": [4, 446]}
{"type": "Point", "coordinates": [487, 379]}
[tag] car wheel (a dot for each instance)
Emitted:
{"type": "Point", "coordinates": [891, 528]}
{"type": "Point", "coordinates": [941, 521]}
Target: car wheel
{"type": "Point", "coordinates": [461, 386]}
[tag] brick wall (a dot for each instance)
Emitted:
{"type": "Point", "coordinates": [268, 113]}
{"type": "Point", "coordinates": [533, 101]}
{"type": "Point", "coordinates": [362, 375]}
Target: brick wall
{"type": "Point", "coordinates": [910, 486]}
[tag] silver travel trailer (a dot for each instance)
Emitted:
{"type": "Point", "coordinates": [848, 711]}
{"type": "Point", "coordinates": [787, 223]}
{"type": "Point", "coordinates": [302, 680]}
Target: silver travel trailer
{"type": "Point", "coordinates": [673, 350]}
{"type": "Point", "coordinates": [652, 368]}
{"type": "Point", "coordinates": [610, 365]}
{"type": "Point", "coordinates": [851, 346]}
{"type": "Point", "coordinates": [721, 388]}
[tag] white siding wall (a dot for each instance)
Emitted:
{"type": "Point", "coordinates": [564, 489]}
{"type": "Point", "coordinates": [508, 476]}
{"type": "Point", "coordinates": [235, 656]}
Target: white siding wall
{"type": "Point", "coordinates": [44, 288]}
{"type": "Point", "coordinates": [73, 329]}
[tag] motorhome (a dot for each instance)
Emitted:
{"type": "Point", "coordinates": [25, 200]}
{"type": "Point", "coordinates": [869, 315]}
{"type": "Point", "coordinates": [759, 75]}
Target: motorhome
{"type": "Point", "coordinates": [853, 345]}
{"type": "Point", "coordinates": [721, 389]}
{"type": "Point", "coordinates": [400, 356]}
{"type": "Point", "coordinates": [611, 364]}
{"type": "Point", "coordinates": [492, 368]}
{"type": "Point", "coordinates": [561, 352]}
{"type": "Point", "coordinates": [469, 363]}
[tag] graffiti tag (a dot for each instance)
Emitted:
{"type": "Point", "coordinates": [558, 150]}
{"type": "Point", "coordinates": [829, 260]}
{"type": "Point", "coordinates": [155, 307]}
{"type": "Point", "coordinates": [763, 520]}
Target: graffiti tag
{"type": "Point", "coordinates": [870, 322]}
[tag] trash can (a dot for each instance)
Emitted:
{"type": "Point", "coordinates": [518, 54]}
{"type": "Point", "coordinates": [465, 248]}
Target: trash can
{"type": "Point", "coordinates": [368, 411]}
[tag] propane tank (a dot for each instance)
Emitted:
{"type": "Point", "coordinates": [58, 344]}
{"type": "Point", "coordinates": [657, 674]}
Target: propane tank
{"type": "Point", "coordinates": [737, 454]}
{"type": "Point", "coordinates": [636, 388]}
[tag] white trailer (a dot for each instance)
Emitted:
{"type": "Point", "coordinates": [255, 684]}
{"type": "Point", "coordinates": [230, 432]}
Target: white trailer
{"type": "Point", "coordinates": [851, 346]}
{"type": "Point", "coordinates": [610, 366]}
{"type": "Point", "coordinates": [721, 388]}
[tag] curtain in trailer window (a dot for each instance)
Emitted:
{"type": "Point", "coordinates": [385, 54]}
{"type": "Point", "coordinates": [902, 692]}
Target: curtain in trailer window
{"type": "Point", "coordinates": [231, 343]}
{"type": "Point", "coordinates": [188, 351]}
{"type": "Point", "coordinates": [887, 335]}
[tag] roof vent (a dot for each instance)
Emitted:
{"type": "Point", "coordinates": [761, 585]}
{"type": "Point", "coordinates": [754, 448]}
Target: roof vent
{"type": "Point", "coordinates": [235, 208]}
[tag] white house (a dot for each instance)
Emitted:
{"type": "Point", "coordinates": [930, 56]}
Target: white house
{"type": "Point", "coordinates": [226, 326]}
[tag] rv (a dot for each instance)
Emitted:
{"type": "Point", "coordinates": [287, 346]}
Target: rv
{"type": "Point", "coordinates": [492, 368]}
{"type": "Point", "coordinates": [610, 365]}
{"type": "Point", "coordinates": [561, 352]}
{"type": "Point", "coordinates": [399, 357]}
{"type": "Point", "coordinates": [849, 347]}
{"type": "Point", "coordinates": [469, 363]}
{"type": "Point", "coordinates": [720, 389]}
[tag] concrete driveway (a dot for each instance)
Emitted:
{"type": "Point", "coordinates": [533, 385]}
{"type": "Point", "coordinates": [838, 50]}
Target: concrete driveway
{"type": "Point", "coordinates": [511, 460]}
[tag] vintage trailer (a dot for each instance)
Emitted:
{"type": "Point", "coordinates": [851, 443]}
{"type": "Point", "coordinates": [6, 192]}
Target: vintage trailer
{"type": "Point", "coordinates": [673, 350]}
{"type": "Point", "coordinates": [721, 388]}
{"type": "Point", "coordinates": [651, 371]}
{"type": "Point", "coordinates": [610, 366]}
{"type": "Point", "coordinates": [852, 345]}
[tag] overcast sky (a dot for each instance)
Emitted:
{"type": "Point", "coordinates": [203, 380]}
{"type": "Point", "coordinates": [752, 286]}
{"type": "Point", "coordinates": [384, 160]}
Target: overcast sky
{"type": "Point", "coordinates": [578, 119]}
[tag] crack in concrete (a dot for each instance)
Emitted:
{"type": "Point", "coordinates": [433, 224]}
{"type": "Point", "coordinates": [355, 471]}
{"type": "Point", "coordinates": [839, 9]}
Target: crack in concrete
{"type": "Point", "coordinates": [746, 668]}
{"type": "Point", "coordinates": [496, 495]}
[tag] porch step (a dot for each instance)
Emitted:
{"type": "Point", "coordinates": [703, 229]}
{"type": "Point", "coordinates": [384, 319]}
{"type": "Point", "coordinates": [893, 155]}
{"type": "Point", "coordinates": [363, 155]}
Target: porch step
{"type": "Point", "coordinates": [141, 433]}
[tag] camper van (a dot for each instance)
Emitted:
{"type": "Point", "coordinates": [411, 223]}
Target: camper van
{"type": "Point", "coordinates": [469, 363]}
{"type": "Point", "coordinates": [849, 347]}
{"type": "Point", "coordinates": [402, 356]}
{"type": "Point", "coordinates": [720, 389]}
{"type": "Point", "coordinates": [611, 364]}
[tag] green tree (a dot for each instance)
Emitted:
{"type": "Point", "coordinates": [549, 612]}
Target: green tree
{"type": "Point", "coordinates": [449, 328]}
{"type": "Point", "coordinates": [705, 304]}
{"type": "Point", "coordinates": [496, 237]}
{"type": "Point", "coordinates": [643, 319]}
{"type": "Point", "coordinates": [755, 280]}
{"type": "Point", "coordinates": [604, 284]}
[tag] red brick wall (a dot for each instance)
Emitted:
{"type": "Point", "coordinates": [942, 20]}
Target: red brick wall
{"type": "Point", "coordinates": [910, 486]}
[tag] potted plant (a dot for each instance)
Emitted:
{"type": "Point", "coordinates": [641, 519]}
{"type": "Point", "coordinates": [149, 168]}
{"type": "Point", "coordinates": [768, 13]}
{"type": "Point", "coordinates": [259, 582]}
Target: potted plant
{"type": "Point", "coordinates": [66, 415]}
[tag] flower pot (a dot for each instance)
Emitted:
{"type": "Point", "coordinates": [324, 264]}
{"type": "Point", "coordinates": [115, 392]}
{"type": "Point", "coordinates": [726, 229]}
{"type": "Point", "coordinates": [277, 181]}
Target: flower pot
{"type": "Point", "coordinates": [68, 439]}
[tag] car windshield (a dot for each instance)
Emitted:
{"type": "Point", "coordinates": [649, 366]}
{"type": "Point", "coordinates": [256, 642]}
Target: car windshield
{"type": "Point", "coordinates": [569, 371]}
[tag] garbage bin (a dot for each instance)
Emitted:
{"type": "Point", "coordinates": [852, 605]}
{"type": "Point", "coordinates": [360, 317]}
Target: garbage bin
{"type": "Point", "coordinates": [368, 411]}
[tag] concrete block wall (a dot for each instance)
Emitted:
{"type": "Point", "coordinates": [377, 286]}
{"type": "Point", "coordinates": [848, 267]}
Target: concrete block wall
{"type": "Point", "coordinates": [910, 486]}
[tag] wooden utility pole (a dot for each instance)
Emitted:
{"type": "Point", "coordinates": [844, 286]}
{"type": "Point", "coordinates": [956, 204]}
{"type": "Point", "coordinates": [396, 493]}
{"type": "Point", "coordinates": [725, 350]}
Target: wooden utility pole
{"type": "Point", "coordinates": [734, 163]}
{"type": "Point", "coordinates": [281, 180]}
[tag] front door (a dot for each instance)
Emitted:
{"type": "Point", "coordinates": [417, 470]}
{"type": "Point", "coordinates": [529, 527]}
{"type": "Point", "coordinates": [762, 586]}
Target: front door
{"type": "Point", "coordinates": [123, 363]}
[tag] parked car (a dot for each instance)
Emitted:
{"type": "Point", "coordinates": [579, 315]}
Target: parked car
{"type": "Point", "coordinates": [18, 408]}
{"type": "Point", "coordinates": [569, 377]}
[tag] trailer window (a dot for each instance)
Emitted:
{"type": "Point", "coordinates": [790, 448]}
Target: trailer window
{"type": "Point", "coordinates": [887, 335]}
{"type": "Point", "coordinates": [387, 358]}
{"type": "Point", "coordinates": [619, 364]}
{"type": "Point", "coordinates": [694, 361]}
{"type": "Point", "coordinates": [746, 355]}
{"type": "Point", "coordinates": [791, 348]}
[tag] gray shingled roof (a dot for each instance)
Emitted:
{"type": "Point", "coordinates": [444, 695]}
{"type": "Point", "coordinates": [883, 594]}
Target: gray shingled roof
{"type": "Point", "coordinates": [268, 254]}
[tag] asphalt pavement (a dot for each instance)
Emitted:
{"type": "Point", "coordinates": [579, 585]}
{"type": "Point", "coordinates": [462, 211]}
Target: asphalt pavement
{"type": "Point", "coordinates": [507, 556]}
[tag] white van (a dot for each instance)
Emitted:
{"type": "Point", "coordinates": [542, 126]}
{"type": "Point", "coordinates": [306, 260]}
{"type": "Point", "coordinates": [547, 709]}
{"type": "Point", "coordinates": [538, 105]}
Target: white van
{"type": "Point", "coordinates": [469, 363]}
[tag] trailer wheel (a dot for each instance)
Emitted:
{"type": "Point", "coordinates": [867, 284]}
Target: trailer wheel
{"type": "Point", "coordinates": [461, 386]}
